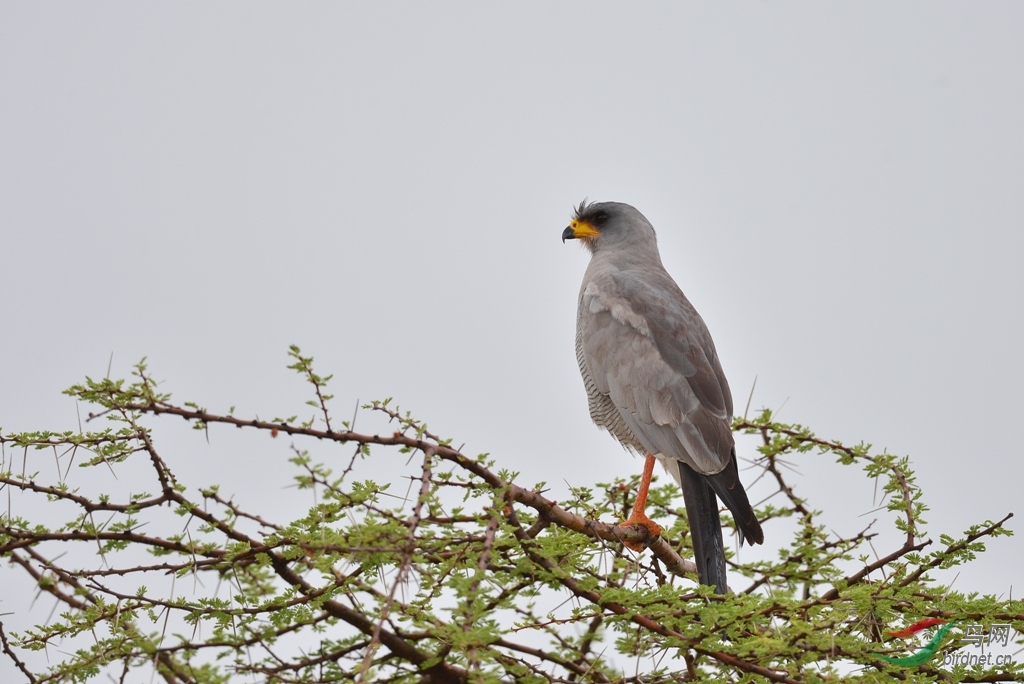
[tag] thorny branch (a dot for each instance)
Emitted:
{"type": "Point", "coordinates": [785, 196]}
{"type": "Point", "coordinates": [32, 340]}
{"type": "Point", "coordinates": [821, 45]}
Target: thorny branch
{"type": "Point", "coordinates": [473, 576]}
{"type": "Point", "coordinates": [407, 554]}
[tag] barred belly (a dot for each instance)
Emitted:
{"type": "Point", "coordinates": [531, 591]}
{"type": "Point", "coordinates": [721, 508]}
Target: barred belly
{"type": "Point", "coordinates": [602, 409]}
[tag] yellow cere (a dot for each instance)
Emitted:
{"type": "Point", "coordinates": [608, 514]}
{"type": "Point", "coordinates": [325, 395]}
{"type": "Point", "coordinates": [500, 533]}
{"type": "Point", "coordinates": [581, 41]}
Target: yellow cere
{"type": "Point", "coordinates": [582, 229]}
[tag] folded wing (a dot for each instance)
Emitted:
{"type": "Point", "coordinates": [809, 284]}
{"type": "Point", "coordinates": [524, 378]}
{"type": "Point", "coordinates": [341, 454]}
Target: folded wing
{"type": "Point", "coordinates": [648, 350]}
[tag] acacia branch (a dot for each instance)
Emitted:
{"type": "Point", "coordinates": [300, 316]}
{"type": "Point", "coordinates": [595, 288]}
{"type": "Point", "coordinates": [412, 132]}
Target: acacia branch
{"type": "Point", "coordinates": [642, 620]}
{"type": "Point", "coordinates": [13, 656]}
{"type": "Point", "coordinates": [549, 509]}
{"type": "Point", "coordinates": [468, 570]}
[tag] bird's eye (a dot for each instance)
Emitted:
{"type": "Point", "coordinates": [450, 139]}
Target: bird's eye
{"type": "Point", "coordinates": [601, 218]}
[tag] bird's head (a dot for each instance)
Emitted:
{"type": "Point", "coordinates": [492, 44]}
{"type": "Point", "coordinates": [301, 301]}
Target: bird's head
{"type": "Point", "coordinates": [609, 225]}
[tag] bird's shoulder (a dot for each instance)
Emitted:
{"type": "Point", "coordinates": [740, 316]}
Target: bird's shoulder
{"type": "Point", "coordinates": [652, 305]}
{"type": "Point", "coordinates": [650, 302]}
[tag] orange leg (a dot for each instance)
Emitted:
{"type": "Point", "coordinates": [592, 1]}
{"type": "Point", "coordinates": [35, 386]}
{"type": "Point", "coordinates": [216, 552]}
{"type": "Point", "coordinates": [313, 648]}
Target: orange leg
{"type": "Point", "coordinates": [639, 514]}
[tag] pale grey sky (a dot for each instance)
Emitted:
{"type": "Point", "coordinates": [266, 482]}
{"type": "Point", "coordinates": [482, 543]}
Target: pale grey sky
{"type": "Point", "coordinates": [839, 189]}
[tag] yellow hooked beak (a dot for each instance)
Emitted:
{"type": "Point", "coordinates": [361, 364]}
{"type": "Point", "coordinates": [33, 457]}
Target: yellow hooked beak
{"type": "Point", "coordinates": [579, 230]}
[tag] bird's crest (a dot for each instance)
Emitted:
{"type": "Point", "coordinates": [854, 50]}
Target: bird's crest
{"type": "Point", "coordinates": [582, 209]}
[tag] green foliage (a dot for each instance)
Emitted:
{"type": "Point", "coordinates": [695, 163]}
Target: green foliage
{"type": "Point", "coordinates": [469, 577]}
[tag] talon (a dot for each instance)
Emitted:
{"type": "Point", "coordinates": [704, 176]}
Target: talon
{"type": "Point", "coordinates": [653, 530]}
{"type": "Point", "coordinates": [639, 514]}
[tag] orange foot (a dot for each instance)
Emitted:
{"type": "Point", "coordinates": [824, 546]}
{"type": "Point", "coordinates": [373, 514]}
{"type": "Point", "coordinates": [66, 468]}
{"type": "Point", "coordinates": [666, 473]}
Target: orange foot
{"type": "Point", "coordinates": [639, 514]}
{"type": "Point", "coordinates": [653, 528]}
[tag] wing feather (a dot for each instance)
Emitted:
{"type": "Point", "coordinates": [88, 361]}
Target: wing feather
{"type": "Point", "coordinates": [649, 351]}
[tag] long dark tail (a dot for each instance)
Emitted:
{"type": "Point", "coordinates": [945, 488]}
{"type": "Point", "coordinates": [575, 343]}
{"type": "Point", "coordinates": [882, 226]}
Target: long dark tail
{"type": "Point", "coordinates": [730, 490]}
{"type": "Point", "coordinates": [705, 525]}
